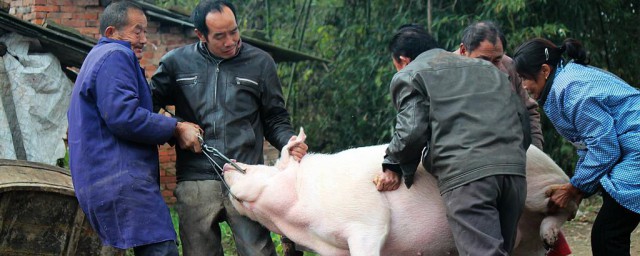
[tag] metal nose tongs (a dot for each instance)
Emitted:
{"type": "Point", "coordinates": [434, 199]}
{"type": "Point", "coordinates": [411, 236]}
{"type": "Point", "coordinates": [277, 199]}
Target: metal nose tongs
{"type": "Point", "coordinates": [206, 148]}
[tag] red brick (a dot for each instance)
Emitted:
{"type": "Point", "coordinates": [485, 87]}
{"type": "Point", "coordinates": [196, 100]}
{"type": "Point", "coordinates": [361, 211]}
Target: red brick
{"type": "Point", "coordinates": [167, 179]}
{"type": "Point", "coordinates": [77, 15]}
{"type": "Point", "coordinates": [66, 15]}
{"type": "Point", "coordinates": [51, 15]}
{"type": "Point", "coordinates": [37, 21]}
{"type": "Point", "coordinates": [90, 16]}
{"type": "Point", "coordinates": [60, 2]}
{"type": "Point", "coordinates": [164, 158]}
{"type": "Point", "coordinates": [171, 186]}
{"type": "Point", "coordinates": [68, 8]}
{"type": "Point", "coordinates": [167, 193]}
{"type": "Point", "coordinates": [40, 2]}
{"type": "Point", "coordinates": [46, 8]}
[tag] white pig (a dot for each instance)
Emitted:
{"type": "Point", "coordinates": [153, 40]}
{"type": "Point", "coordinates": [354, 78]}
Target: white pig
{"type": "Point", "coordinates": [328, 203]}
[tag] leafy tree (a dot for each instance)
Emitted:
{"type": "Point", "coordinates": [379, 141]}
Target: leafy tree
{"type": "Point", "coordinates": [346, 103]}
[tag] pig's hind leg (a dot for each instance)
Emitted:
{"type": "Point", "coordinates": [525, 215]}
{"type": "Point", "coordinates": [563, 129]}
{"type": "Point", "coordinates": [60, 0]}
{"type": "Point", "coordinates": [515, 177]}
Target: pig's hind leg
{"type": "Point", "coordinates": [367, 240]}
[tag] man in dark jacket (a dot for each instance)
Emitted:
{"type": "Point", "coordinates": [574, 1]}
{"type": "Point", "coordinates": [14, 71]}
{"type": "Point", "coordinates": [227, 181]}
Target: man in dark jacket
{"type": "Point", "coordinates": [471, 130]}
{"type": "Point", "coordinates": [231, 89]}
{"type": "Point", "coordinates": [114, 138]}
{"type": "Point", "coordinates": [484, 40]}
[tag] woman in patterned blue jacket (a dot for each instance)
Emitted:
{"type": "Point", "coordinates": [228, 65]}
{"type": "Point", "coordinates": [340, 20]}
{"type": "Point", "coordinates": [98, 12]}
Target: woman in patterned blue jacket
{"type": "Point", "coordinates": [599, 114]}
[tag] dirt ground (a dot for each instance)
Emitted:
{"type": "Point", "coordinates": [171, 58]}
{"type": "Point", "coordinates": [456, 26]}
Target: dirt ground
{"type": "Point", "coordinates": [578, 231]}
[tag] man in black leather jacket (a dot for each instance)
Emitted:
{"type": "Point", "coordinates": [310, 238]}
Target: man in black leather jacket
{"type": "Point", "coordinates": [232, 91]}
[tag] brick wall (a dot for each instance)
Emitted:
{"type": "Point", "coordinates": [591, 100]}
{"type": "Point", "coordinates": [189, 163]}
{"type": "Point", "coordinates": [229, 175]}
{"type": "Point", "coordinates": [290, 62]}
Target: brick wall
{"type": "Point", "coordinates": [167, 173]}
{"type": "Point", "coordinates": [82, 15]}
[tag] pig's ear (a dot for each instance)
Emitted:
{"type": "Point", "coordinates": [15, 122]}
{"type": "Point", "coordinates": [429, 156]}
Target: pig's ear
{"type": "Point", "coordinates": [285, 157]}
{"type": "Point", "coordinates": [301, 135]}
{"type": "Point", "coordinates": [283, 162]}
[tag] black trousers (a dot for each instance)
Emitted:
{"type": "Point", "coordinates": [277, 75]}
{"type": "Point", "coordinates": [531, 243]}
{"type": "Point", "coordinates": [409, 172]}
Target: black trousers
{"type": "Point", "coordinates": [166, 248]}
{"type": "Point", "coordinates": [611, 232]}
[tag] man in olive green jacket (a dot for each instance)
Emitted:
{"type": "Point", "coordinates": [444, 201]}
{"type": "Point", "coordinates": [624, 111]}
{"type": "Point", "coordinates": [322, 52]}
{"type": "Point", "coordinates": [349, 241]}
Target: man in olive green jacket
{"type": "Point", "coordinates": [460, 117]}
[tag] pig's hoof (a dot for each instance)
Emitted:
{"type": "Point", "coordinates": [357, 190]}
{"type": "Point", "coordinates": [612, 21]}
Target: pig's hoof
{"type": "Point", "coordinates": [550, 238]}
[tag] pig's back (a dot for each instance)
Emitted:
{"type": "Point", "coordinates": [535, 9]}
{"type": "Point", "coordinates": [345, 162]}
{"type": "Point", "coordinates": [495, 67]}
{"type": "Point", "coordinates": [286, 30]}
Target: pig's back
{"type": "Point", "coordinates": [345, 192]}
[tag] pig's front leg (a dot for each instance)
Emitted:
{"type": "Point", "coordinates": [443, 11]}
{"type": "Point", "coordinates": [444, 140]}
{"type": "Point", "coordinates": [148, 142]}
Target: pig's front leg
{"type": "Point", "coordinates": [550, 228]}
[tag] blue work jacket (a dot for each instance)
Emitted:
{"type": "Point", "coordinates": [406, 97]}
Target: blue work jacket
{"type": "Point", "coordinates": [113, 148]}
{"type": "Point", "coordinates": [600, 114]}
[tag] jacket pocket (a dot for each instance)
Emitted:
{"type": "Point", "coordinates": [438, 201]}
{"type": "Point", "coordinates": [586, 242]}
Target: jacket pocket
{"type": "Point", "coordinates": [248, 84]}
{"type": "Point", "coordinates": [243, 96]}
{"type": "Point", "coordinates": [187, 80]}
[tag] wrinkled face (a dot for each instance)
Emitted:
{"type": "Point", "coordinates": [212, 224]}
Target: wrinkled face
{"type": "Point", "coordinates": [135, 32]}
{"type": "Point", "coordinates": [487, 51]}
{"type": "Point", "coordinates": [223, 39]}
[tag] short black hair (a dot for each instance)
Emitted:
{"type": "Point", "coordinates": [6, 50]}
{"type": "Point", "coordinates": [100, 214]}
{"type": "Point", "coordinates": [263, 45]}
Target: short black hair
{"type": "Point", "coordinates": [477, 32]}
{"type": "Point", "coordinates": [199, 14]}
{"type": "Point", "coordinates": [116, 14]}
{"type": "Point", "coordinates": [410, 40]}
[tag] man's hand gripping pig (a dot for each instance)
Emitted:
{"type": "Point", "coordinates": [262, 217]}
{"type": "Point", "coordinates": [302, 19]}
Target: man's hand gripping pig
{"type": "Point", "coordinates": [387, 180]}
{"type": "Point", "coordinates": [296, 146]}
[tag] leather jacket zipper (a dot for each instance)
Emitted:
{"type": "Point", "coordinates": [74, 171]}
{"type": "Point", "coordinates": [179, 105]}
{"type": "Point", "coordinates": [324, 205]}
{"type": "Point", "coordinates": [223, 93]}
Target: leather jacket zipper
{"type": "Point", "coordinates": [215, 93]}
{"type": "Point", "coordinates": [215, 89]}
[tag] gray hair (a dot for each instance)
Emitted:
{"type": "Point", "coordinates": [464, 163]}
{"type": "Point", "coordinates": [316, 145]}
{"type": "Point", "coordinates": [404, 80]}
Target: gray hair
{"type": "Point", "coordinates": [116, 15]}
{"type": "Point", "coordinates": [477, 32]}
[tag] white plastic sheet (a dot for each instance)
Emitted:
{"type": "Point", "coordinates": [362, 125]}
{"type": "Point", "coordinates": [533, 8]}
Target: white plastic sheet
{"type": "Point", "coordinates": [34, 99]}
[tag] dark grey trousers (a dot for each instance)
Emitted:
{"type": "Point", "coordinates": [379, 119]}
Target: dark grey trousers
{"type": "Point", "coordinates": [484, 214]}
{"type": "Point", "coordinates": [166, 248]}
{"type": "Point", "coordinates": [201, 206]}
